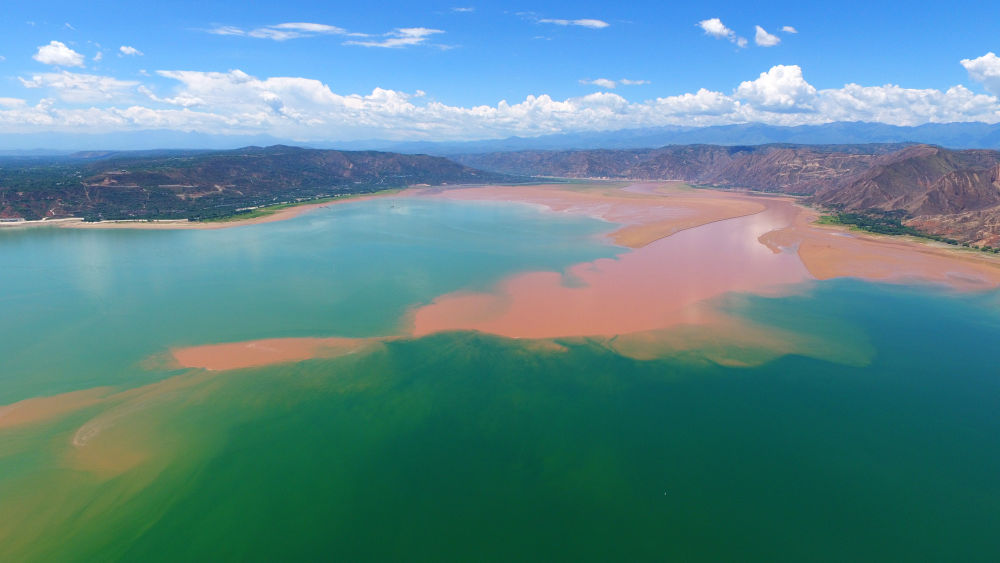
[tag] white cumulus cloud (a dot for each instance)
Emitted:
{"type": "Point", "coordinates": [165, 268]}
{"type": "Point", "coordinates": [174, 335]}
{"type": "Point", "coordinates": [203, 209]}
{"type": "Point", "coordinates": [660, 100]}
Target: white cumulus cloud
{"type": "Point", "coordinates": [765, 39]}
{"type": "Point", "coordinates": [715, 28]}
{"type": "Point", "coordinates": [789, 29]}
{"type": "Point", "coordinates": [305, 109]}
{"type": "Point", "coordinates": [80, 88]}
{"type": "Point", "coordinates": [695, 107]}
{"type": "Point", "coordinates": [906, 106]}
{"type": "Point", "coordinates": [780, 89]}
{"type": "Point", "coordinates": [58, 54]}
{"type": "Point", "coordinates": [985, 70]}
{"type": "Point", "coordinates": [129, 51]}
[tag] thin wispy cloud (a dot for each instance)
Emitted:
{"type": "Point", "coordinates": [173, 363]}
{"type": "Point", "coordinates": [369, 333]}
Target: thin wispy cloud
{"type": "Point", "coordinates": [397, 38]}
{"type": "Point", "coordinates": [586, 22]}
{"type": "Point", "coordinates": [612, 84]}
{"type": "Point", "coordinates": [463, 10]}
{"type": "Point", "coordinates": [714, 27]}
{"type": "Point", "coordinates": [602, 82]}
{"type": "Point", "coordinates": [284, 31]}
{"type": "Point", "coordinates": [789, 29]}
{"type": "Point", "coordinates": [764, 39]}
{"type": "Point", "coordinates": [226, 30]}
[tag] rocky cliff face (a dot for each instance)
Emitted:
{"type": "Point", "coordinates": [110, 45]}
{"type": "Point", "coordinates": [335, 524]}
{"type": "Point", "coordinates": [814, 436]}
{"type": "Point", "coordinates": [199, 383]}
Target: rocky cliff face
{"type": "Point", "coordinates": [950, 193]}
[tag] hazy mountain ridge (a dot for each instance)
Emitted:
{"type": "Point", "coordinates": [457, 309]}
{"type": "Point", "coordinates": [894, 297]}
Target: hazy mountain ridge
{"type": "Point", "coordinates": [953, 135]}
{"type": "Point", "coordinates": [959, 135]}
{"type": "Point", "coordinates": [782, 168]}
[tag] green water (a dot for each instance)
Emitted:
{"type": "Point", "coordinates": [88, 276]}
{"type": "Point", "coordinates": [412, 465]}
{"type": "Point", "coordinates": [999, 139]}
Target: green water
{"type": "Point", "coordinates": [470, 447]}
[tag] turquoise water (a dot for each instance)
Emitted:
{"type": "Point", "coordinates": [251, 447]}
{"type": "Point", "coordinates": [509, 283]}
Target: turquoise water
{"type": "Point", "coordinates": [88, 306]}
{"type": "Point", "coordinates": [470, 447]}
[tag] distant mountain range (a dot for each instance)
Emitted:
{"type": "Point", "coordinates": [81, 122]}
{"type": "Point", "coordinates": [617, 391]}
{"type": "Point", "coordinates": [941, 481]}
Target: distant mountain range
{"type": "Point", "coordinates": [952, 135]}
{"type": "Point", "coordinates": [206, 184]}
{"type": "Point", "coordinates": [954, 194]}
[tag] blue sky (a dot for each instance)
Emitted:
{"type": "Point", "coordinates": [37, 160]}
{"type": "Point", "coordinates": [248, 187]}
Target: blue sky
{"type": "Point", "coordinates": [333, 71]}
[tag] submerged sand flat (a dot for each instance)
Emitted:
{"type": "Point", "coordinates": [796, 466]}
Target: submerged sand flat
{"type": "Point", "coordinates": [650, 288]}
{"type": "Point", "coordinates": [647, 212]}
{"type": "Point", "coordinates": [659, 209]}
{"type": "Point", "coordinates": [688, 247]}
{"type": "Point", "coordinates": [236, 355]}
{"type": "Point", "coordinates": [685, 249]}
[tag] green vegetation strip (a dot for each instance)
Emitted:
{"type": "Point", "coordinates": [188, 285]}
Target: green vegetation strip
{"type": "Point", "coordinates": [264, 211]}
{"type": "Point", "coordinates": [890, 224]}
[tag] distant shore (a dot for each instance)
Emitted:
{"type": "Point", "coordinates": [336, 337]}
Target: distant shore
{"type": "Point", "coordinates": [268, 214]}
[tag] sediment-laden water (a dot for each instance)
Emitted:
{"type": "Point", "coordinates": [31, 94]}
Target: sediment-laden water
{"type": "Point", "coordinates": [874, 440]}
